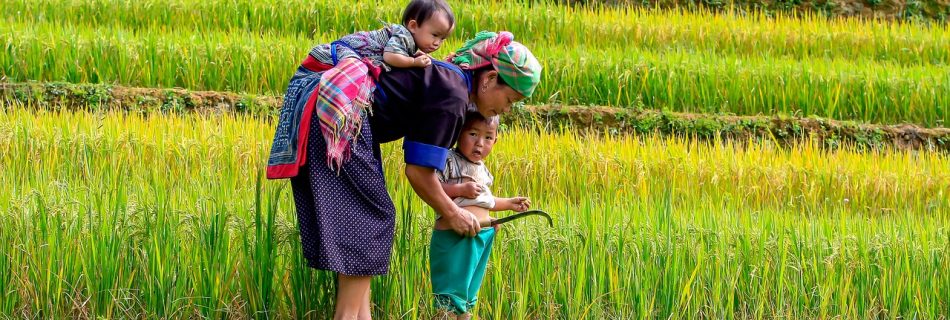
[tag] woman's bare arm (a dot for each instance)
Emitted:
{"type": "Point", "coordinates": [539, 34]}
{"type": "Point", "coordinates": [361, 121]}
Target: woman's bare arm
{"type": "Point", "coordinates": [426, 184]}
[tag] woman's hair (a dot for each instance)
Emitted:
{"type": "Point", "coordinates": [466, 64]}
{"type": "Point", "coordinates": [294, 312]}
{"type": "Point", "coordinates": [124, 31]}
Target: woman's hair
{"type": "Point", "coordinates": [422, 10]}
{"type": "Point", "coordinates": [477, 74]}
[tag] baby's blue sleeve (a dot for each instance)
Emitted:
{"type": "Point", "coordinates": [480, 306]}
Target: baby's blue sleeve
{"type": "Point", "coordinates": [401, 42]}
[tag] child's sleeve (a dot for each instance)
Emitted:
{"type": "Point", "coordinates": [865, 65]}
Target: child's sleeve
{"type": "Point", "coordinates": [443, 174]}
{"type": "Point", "coordinates": [401, 42]}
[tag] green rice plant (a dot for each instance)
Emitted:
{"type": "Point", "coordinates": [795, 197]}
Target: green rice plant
{"type": "Point", "coordinates": [261, 251]}
{"type": "Point", "coordinates": [162, 283]}
{"type": "Point", "coordinates": [173, 207]}
{"type": "Point", "coordinates": [6, 278]}
{"type": "Point", "coordinates": [105, 257]}
{"type": "Point", "coordinates": [678, 80]}
{"type": "Point", "coordinates": [741, 34]}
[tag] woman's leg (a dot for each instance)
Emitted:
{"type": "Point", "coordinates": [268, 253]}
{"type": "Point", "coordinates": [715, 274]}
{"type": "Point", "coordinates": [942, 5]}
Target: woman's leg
{"type": "Point", "coordinates": [365, 312]}
{"type": "Point", "coordinates": [351, 294]}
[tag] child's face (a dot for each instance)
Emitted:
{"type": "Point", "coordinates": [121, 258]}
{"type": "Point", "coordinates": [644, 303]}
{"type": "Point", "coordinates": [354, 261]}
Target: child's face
{"type": "Point", "coordinates": [432, 32]}
{"type": "Point", "coordinates": [477, 140]}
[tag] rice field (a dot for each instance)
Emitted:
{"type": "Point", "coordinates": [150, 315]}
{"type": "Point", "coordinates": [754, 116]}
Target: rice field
{"type": "Point", "coordinates": [132, 216]}
{"type": "Point", "coordinates": [166, 215]}
{"type": "Point", "coordinates": [689, 62]}
{"type": "Point", "coordinates": [533, 21]}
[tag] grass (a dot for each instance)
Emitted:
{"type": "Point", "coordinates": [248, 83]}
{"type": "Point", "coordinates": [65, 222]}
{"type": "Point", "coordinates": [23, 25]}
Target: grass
{"type": "Point", "coordinates": [903, 43]}
{"type": "Point", "coordinates": [782, 130]}
{"type": "Point", "coordinates": [166, 215]}
{"type": "Point", "coordinates": [122, 215]}
{"type": "Point", "coordinates": [687, 80]}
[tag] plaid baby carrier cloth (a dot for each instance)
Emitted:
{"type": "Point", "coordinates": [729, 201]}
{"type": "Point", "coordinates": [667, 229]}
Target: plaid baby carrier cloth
{"type": "Point", "coordinates": [338, 94]}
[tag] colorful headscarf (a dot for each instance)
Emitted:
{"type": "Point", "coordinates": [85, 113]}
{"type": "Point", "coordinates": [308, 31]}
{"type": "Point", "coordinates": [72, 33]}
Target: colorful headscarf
{"type": "Point", "coordinates": [513, 61]}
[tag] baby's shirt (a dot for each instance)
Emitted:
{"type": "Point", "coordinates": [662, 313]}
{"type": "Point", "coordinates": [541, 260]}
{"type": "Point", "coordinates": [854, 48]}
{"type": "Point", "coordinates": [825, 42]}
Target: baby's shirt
{"type": "Point", "coordinates": [459, 170]}
{"type": "Point", "coordinates": [401, 41]}
{"type": "Point", "coordinates": [393, 38]}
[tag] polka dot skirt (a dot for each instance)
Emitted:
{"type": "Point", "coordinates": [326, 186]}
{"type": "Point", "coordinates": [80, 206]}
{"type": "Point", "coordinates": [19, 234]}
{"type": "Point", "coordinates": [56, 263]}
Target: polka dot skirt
{"type": "Point", "coordinates": [347, 220]}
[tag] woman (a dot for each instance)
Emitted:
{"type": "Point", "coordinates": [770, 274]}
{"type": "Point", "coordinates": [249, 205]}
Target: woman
{"type": "Point", "coordinates": [346, 216]}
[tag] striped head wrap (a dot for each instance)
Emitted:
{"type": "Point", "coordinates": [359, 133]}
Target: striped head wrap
{"type": "Point", "coordinates": [513, 61]}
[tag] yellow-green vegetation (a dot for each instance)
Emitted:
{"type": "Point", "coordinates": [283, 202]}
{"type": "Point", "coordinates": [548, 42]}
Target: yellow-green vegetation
{"type": "Point", "coordinates": [679, 61]}
{"type": "Point", "coordinates": [133, 216]}
{"type": "Point", "coordinates": [116, 204]}
{"type": "Point", "coordinates": [782, 130]}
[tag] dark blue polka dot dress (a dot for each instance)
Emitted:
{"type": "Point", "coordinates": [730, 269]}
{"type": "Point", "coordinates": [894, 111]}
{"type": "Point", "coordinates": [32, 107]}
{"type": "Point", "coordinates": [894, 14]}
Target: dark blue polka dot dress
{"type": "Point", "coordinates": [346, 219]}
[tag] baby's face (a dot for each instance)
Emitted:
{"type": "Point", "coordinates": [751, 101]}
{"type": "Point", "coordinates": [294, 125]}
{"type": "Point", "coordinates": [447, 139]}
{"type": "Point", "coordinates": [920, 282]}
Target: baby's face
{"type": "Point", "coordinates": [477, 140]}
{"type": "Point", "coordinates": [432, 32]}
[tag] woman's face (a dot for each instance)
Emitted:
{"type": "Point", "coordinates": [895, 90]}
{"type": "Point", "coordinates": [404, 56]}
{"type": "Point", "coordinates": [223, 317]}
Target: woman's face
{"type": "Point", "coordinates": [493, 98]}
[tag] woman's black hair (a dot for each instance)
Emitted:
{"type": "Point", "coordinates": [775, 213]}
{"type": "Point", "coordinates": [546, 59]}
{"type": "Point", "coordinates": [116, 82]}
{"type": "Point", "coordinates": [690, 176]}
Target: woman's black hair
{"type": "Point", "coordinates": [422, 10]}
{"type": "Point", "coordinates": [477, 74]}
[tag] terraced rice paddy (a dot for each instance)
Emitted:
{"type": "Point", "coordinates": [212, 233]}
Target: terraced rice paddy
{"type": "Point", "coordinates": [162, 214]}
{"type": "Point", "coordinates": [694, 62]}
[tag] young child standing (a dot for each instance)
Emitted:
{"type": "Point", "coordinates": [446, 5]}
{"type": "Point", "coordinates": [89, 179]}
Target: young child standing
{"type": "Point", "coordinates": [458, 263]}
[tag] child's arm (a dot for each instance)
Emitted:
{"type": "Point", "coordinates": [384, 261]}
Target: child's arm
{"type": "Point", "coordinates": [450, 189]}
{"type": "Point", "coordinates": [401, 61]}
{"type": "Point", "coordinates": [469, 189]}
{"type": "Point", "coordinates": [401, 52]}
{"type": "Point", "coordinates": [517, 204]}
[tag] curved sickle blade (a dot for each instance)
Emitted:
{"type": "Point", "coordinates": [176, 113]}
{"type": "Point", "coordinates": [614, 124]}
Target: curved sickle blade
{"type": "Point", "coordinates": [519, 216]}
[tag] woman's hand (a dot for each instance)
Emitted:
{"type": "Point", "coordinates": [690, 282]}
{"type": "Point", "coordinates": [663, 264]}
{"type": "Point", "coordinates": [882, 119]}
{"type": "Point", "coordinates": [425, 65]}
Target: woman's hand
{"type": "Point", "coordinates": [426, 184]}
{"type": "Point", "coordinates": [463, 222]}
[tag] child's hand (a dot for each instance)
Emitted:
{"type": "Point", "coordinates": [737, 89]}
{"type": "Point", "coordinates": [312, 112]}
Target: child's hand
{"type": "Point", "coordinates": [520, 204]}
{"type": "Point", "coordinates": [470, 190]}
{"type": "Point", "coordinates": [451, 57]}
{"type": "Point", "coordinates": [421, 61]}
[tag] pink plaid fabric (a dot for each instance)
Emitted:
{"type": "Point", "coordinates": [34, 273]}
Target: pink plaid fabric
{"type": "Point", "coordinates": [344, 91]}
